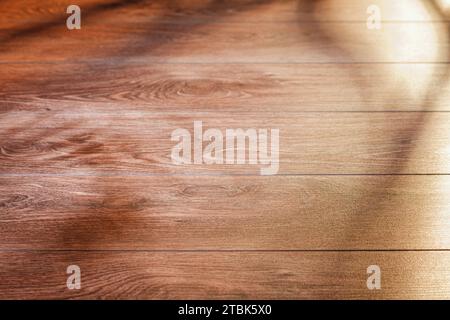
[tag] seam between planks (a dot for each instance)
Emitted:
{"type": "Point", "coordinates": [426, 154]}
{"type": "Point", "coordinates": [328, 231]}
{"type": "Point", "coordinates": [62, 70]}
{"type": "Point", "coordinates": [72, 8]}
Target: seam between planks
{"type": "Point", "coordinates": [139, 62]}
{"type": "Point", "coordinates": [223, 250]}
{"type": "Point", "coordinates": [219, 174]}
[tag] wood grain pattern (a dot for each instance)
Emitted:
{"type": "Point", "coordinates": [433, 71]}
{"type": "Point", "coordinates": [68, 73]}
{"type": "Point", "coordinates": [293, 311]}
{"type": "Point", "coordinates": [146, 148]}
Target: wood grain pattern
{"type": "Point", "coordinates": [26, 11]}
{"type": "Point", "coordinates": [86, 176]}
{"type": "Point", "coordinates": [310, 143]}
{"type": "Point", "coordinates": [189, 213]}
{"type": "Point", "coordinates": [20, 11]}
{"type": "Point", "coordinates": [222, 42]}
{"type": "Point", "coordinates": [222, 275]}
{"type": "Point", "coordinates": [183, 88]}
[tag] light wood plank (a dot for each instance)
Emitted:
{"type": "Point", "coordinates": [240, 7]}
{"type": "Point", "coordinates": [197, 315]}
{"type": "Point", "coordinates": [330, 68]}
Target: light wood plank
{"type": "Point", "coordinates": [20, 12]}
{"type": "Point", "coordinates": [310, 143]}
{"type": "Point", "coordinates": [234, 88]}
{"type": "Point", "coordinates": [276, 213]}
{"type": "Point", "coordinates": [223, 42]}
{"type": "Point", "coordinates": [274, 275]}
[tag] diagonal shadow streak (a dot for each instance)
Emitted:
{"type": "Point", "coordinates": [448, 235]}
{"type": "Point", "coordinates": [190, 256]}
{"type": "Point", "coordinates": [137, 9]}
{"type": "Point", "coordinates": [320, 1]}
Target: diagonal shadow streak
{"type": "Point", "coordinates": [378, 199]}
{"type": "Point", "coordinates": [72, 235]}
{"type": "Point", "coordinates": [38, 28]}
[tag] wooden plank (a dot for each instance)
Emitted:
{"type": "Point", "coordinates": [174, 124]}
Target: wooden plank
{"type": "Point", "coordinates": [235, 88]}
{"type": "Point", "coordinates": [20, 12]}
{"type": "Point", "coordinates": [178, 212]}
{"type": "Point", "coordinates": [309, 143]}
{"type": "Point", "coordinates": [219, 275]}
{"type": "Point", "coordinates": [224, 42]}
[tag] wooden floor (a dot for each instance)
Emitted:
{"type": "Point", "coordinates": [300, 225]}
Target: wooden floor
{"type": "Point", "coordinates": [86, 176]}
